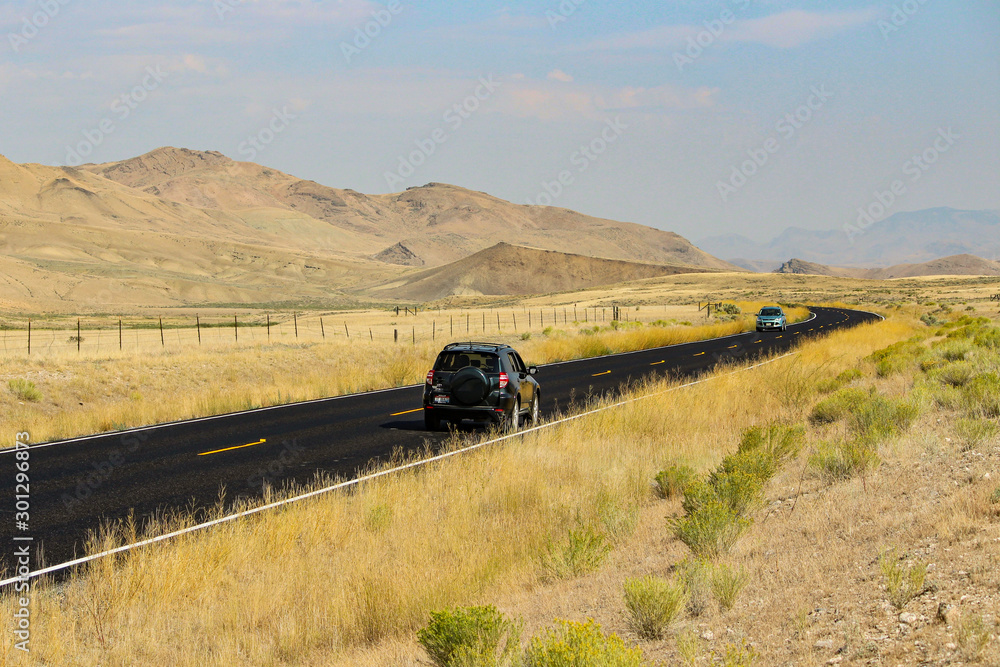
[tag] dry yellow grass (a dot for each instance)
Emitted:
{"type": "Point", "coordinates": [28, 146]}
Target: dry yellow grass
{"type": "Point", "coordinates": [327, 580]}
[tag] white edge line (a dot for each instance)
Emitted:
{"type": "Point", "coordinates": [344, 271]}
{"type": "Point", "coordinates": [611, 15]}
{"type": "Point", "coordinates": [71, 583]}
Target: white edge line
{"type": "Point", "coordinates": [366, 478]}
{"type": "Point", "coordinates": [196, 420]}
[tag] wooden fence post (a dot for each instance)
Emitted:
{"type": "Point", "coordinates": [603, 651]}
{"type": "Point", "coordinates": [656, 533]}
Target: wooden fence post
{"type": "Point", "coordinates": [295, 318]}
{"type": "Point", "coordinates": [121, 345]}
{"type": "Point", "coordinates": [163, 343]}
{"type": "Point", "coordinates": [78, 335]}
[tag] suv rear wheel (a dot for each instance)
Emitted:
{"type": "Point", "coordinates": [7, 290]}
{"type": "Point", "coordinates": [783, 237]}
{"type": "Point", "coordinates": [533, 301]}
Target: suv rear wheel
{"type": "Point", "coordinates": [512, 422]}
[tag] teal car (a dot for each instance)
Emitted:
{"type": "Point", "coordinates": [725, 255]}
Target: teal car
{"type": "Point", "coordinates": [771, 318]}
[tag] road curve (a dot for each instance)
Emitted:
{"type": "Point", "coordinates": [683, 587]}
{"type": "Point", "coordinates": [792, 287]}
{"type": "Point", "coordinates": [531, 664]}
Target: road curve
{"type": "Point", "coordinates": [78, 483]}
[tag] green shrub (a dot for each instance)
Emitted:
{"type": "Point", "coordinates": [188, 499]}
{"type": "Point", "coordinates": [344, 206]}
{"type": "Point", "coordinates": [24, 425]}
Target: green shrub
{"type": "Point", "coordinates": [897, 357]}
{"type": "Point", "coordinates": [471, 637]}
{"type": "Point", "coordinates": [574, 644]}
{"type": "Point", "coordinates": [981, 396]}
{"type": "Point", "coordinates": [740, 489]}
{"type": "Point", "coordinates": [975, 432]}
{"type": "Point", "coordinates": [843, 459]}
{"type": "Point", "coordinates": [715, 508]}
{"type": "Point", "coordinates": [727, 583]}
{"type": "Point", "coordinates": [775, 443]}
{"type": "Point", "coordinates": [988, 338]}
{"type": "Point", "coordinates": [953, 349]}
{"type": "Point", "coordinates": [930, 320]}
{"type": "Point", "coordinates": [850, 375]}
{"type": "Point", "coordinates": [711, 530]}
{"type": "Point", "coordinates": [737, 655]}
{"type": "Point", "coordinates": [877, 417]}
{"type": "Point", "coordinates": [24, 389]}
{"type": "Point", "coordinates": [653, 603]}
{"type": "Point", "coordinates": [618, 519]}
{"type": "Point", "coordinates": [833, 384]}
{"type": "Point", "coordinates": [837, 406]}
{"type": "Point", "coordinates": [902, 583]}
{"type": "Point", "coordinates": [973, 636]}
{"type": "Point", "coordinates": [672, 481]}
{"type": "Point", "coordinates": [995, 496]}
{"type": "Point", "coordinates": [689, 646]}
{"type": "Point", "coordinates": [828, 385]}
{"type": "Point", "coordinates": [696, 575]}
{"type": "Point", "coordinates": [583, 551]}
{"type": "Point", "coordinates": [956, 374]}
{"type": "Point", "coordinates": [730, 309]}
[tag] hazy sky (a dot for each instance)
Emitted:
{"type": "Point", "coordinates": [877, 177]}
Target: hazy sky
{"type": "Point", "coordinates": [698, 117]}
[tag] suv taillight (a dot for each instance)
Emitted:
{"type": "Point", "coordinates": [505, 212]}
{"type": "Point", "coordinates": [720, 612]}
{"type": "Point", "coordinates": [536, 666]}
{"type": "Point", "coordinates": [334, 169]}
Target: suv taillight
{"type": "Point", "coordinates": [430, 377]}
{"type": "Point", "coordinates": [503, 380]}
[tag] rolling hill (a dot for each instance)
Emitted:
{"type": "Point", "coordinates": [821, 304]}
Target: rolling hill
{"type": "Point", "coordinates": [516, 270]}
{"type": "Point", "coordinates": [178, 227]}
{"type": "Point", "coordinates": [436, 223]}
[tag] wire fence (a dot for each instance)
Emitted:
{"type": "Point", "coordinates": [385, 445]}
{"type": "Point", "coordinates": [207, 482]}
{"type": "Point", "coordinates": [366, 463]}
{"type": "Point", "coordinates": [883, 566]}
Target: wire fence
{"type": "Point", "coordinates": [96, 336]}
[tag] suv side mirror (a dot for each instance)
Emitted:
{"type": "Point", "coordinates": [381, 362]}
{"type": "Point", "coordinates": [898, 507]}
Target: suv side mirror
{"type": "Point", "coordinates": [532, 370]}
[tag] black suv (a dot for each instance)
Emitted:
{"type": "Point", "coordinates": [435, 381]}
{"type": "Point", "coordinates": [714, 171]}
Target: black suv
{"type": "Point", "coordinates": [482, 382]}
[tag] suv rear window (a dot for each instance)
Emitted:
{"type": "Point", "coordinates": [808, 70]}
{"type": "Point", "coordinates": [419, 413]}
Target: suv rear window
{"type": "Point", "coordinates": [452, 361]}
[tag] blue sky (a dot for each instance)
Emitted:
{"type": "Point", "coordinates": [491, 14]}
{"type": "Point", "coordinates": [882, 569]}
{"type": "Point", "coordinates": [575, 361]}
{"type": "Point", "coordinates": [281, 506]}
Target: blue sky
{"type": "Point", "coordinates": [697, 117]}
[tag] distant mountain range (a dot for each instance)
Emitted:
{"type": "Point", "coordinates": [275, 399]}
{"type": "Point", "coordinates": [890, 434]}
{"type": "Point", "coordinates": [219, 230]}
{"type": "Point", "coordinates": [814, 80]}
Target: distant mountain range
{"type": "Point", "coordinates": [910, 237]}
{"type": "Point", "coordinates": [955, 265]}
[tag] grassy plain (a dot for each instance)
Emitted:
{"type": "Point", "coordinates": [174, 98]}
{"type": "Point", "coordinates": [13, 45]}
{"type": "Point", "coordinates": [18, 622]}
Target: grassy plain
{"type": "Point", "coordinates": [348, 578]}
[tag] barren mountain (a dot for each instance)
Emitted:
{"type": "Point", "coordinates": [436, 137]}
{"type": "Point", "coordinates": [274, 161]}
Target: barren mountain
{"type": "Point", "coordinates": [71, 239]}
{"type": "Point", "coordinates": [956, 265]}
{"type": "Point", "coordinates": [437, 223]}
{"type": "Point", "coordinates": [509, 269]}
{"type": "Point", "coordinates": [176, 227]}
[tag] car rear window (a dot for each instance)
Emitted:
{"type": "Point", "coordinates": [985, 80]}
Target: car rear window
{"type": "Point", "coordinates": [452, 361]}
{"type": "Point", "coordinates": [770, 311]}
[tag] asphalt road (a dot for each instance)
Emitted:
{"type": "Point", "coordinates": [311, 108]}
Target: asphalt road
{"type": "Point", "coordinates": [76, 484]}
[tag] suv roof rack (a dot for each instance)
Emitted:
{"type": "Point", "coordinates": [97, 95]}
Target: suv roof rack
{"type": "Point", "coordinates": [495, 346]}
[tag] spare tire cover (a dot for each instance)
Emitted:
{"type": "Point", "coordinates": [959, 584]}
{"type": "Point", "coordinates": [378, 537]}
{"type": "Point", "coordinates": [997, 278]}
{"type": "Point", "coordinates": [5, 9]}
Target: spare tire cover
{"type": "Point", "coordinates": [469, 386]}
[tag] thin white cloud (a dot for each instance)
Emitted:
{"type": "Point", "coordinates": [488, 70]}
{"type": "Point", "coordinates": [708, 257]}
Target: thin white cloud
{"type": "Point", "coordinates": [784, 30]}
{"type": "Point", "coordinates": [796, 27]}
{"type": "Point", "coordinates": [547, 100]}
{"type": "Point", "coordinates": [559, 75]}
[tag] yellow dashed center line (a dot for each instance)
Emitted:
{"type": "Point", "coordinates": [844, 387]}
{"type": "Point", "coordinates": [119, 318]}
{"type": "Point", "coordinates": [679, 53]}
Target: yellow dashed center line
{"type": "Point", "coordinates": [599, 374]}
{"type": "Point", "coordinates": [733, 347]}
{"type": "Point", "coordinates": [396, 414]}
{"type": "Point", "coordinates": [657, 363]}
{"type": "Point", "coordinates": [229, 449]}
{"type": "Point", "coordinates": [699, 354]}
